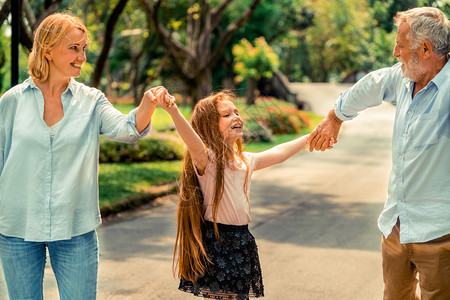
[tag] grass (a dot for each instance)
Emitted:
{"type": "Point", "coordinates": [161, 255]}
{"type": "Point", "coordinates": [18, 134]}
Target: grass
{"type": "Point", "coordinates": [121, 181]}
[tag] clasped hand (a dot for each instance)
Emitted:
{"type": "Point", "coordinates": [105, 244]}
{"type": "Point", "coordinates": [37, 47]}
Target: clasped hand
{"type": "Point", "coordinates": [325, 134]}
{"type": "Point", "coordinates": [160, 96]}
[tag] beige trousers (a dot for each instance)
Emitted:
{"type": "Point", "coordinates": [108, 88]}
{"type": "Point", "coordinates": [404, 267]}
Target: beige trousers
{"type": "Point", "coordinates": [403, 262]}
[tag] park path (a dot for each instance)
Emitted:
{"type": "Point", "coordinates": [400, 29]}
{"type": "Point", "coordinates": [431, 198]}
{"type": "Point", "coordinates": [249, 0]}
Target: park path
{"type": "Point", "coordinates": [314, 219]}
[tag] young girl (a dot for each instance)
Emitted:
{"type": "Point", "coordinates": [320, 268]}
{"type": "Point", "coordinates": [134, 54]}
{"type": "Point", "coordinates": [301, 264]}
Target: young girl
{"type": "Point", "coordinates": [216, 255]}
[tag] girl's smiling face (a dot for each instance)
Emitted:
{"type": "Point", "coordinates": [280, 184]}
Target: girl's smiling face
{"type": "Point", "coordinates": [230, 123]}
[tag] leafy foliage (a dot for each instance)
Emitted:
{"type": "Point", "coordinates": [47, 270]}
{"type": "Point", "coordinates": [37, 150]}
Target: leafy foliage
{"type": "Point", "coordinates": [285, 120]}
{"type": "Point", "coordinates": [339, 39]}
{"type": "Point", "coordinates": [315, 40]}
{"type": "Point", "coordinates": [254, 61]}
{"type": "Point", "coordinates": [162, 147]}
{"type": "Point", "coordinates": [279, 116]}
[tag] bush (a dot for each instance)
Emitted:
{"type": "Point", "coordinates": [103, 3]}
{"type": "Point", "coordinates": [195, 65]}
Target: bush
{"type": "Point", "coordinates": [257, 132]}
{"type": "Point", "coordinates": [285, 120]}
{"type": "Point", "coordinates": [161, 147]}
{"type": "Point", "coordinates": [254, 61]}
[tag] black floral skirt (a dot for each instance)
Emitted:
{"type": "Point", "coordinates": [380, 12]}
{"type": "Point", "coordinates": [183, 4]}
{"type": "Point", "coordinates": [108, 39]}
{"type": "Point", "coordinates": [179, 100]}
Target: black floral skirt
{"type": "Point", "coordinates": [235, 272]}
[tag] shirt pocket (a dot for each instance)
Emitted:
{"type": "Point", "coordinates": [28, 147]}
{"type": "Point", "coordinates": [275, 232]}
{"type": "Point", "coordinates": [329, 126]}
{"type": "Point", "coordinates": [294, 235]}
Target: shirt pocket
{"type": "Point", "coordinates": [423, 131]}
{"type": "Point", "coordinates": [77, 129]}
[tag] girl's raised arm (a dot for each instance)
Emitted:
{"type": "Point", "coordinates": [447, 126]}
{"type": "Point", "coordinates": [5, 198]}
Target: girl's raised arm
{"type": "Point", "coordinates": [195, 145]}
{"type": "Point", "coordinates": [280, 153]}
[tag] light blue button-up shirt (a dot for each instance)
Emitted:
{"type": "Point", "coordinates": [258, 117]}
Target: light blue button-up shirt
{"type": "Point", "coordinates": [49, 187]}
{"type": "Point", "coordinates": [419, 184]}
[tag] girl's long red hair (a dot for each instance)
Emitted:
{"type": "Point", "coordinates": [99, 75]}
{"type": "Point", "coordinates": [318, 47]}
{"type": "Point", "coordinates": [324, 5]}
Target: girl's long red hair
{"type": "Point", "coordinates": [190, 257]}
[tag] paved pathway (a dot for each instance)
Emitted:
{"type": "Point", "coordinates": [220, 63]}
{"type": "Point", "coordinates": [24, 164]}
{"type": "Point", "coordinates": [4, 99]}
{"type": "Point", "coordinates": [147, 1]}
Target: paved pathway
{"type": "Point", "coordinates": [314, 219]}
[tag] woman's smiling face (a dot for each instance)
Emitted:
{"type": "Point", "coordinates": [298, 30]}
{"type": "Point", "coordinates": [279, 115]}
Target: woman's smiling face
{"type": "Point", "coordinates": [68, 56]}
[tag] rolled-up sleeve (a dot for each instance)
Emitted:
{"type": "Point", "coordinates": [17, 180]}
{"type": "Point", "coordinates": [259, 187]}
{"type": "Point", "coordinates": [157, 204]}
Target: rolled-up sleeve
{"type": "Point", "coordinates": [132, 122]}
{"type": "Point", "coordinates": [117, 126]}
{"type": "Point", "coordinates": [370, 91]}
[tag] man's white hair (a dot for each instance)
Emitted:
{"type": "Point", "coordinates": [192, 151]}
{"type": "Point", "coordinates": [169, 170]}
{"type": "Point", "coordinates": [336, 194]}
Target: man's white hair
{"type": "Point", "coordinates": [427, 23]}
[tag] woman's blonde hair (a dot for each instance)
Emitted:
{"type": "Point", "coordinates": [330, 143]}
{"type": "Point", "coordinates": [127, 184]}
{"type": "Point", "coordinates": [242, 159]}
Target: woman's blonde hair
{"type": "Point", "coordinates": [189, 253]}
{"type": "Point", "coordinates": [49, 34]}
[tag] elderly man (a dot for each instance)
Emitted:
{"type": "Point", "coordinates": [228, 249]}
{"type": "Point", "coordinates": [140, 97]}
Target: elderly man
{"type": "Point", "coordinates": [415, 221]}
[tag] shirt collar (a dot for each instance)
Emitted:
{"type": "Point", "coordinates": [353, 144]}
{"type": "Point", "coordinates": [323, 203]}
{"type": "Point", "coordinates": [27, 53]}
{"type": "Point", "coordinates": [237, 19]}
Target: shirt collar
{"type": "Point", "coordinates": [29, 84]}
{"type": "Point", "coordinates": [71, 87]}
{"type": "Point", "coordinates": [442, 76]}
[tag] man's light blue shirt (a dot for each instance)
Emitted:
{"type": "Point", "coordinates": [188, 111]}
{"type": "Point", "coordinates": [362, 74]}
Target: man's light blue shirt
{"type": "Point", "coordinates": [419, 183]}
{"type": "Point", "coordinates": [49, 188]}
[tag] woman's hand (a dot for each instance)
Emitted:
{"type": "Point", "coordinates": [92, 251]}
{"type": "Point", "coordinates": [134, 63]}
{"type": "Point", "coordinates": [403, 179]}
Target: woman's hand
{"type": "Point", "coordinates": [147, 107]}
{"type": "Point", "coordinates": [155, 94]}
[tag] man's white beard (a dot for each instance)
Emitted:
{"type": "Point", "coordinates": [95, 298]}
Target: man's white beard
{"type": "Point", "coordinates": [413, 70]}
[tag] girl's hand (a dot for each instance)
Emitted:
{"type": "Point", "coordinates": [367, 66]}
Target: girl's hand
{"type": "Point", "coordinates": [330, 145]}
{"type": "Point", "coordinates": [168, 101]}
{"type": "Point", "coordinates": [332, 142]}
{"type": "Point", "coordinates": [147, 107]}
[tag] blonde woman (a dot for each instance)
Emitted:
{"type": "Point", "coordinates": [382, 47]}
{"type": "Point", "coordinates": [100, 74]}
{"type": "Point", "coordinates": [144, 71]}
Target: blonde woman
{"type": "Point", "coordinates": [49, 146]}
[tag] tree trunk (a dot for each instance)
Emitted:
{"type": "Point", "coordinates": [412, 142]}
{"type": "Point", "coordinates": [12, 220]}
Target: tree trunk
{"type": "Point", "coordinates": [107, 42]}
{"type": "Point", "coordinates": [109, 79]}
{"type": "Point", "coordinates": [195, 59]}
{"type": "Point", "coordinates": [250, 94]}
{"type": "Point", "coordinates": [4, 11]}
{"type": "Point", "coordinates": [202, 86]}
{"type": "Point", "coordinates": [134, 77]}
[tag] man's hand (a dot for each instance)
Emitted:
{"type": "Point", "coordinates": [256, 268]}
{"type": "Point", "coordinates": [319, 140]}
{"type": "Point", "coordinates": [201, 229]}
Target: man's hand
{"type": "Point", "coordinates": [326, 133]}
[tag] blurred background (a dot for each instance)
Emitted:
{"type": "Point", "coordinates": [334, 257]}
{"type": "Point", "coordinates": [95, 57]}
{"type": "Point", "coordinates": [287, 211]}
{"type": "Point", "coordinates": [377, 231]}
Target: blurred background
{"type": "Point", "coordinates": [195, 47]}
{"type": "Point", "coordinates": [287, 60]}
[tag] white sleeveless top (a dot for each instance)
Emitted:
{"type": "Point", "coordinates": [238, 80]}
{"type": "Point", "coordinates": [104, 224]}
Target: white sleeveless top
{"type": "Point", "coordinates": [234, 207]}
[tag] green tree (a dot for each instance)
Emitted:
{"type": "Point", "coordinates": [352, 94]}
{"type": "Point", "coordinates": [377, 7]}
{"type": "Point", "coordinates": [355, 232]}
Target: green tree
{"type": "Point", "coordinates": [107, 41]}
{"type": "Point", "coordinates": [384, 11]}
{"type": "Point", "coordinates": [281, 22]}
{"type": "Point", "coordinates": [338, 39]}
{"type": "Point", "coordinates": [251, 63]}
{"type": "Point", "coordinates": [192, 51]}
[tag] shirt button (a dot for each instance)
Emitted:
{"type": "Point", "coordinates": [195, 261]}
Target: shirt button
{"type": "Point", "coordinates": [400, 156]}
{"type": "Point", "coordinates": [399, 201]}
{"type": "Point", "coordinates": [404, 133]}
{"type": "Point", "coordinates": [399, 179]}
{"type": "Point", "coordinates": [409, 112]}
